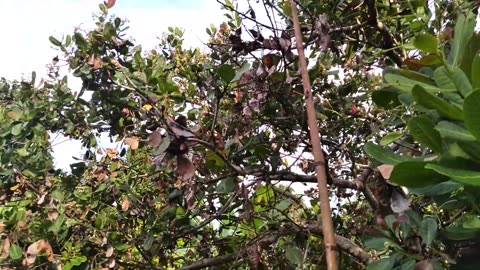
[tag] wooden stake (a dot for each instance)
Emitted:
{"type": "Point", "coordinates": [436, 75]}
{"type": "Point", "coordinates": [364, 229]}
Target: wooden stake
{"type": "Point", "coordinates": [327, 223]}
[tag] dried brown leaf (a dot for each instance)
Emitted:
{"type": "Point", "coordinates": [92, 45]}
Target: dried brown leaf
{"type": "Point", "coordinates": [185, 168]}
{"type": "Point", "coordinates": [52, 215]}
{"type": "Point", "coordinates": [115, 63]}
{"type": "Point", "coordinates": [132, 142]}
{"type": "Point", "coordinates": [155, 139]}
{"type": "Point", "coordinates": [111, 264]}
{"type": "Point", "coordinates": [385, 170]}
{"type": "Point", "coordinates": [39, 247]}
{"type": "Point", "coordinates": [5, 248]}
{"type": "Point", "coordinates": [125, 204]}
{"type": "Point", "coordinates": [109, 3]}
{"type": "Point", "coordinates": [109, 251]}
{"type": "Point", "coordinates": [423, 265]}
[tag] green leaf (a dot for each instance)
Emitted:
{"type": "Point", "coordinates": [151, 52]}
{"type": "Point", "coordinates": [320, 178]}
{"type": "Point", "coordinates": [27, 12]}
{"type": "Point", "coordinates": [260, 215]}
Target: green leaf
{"type": "Point", "coordinates": [241, 71]}
{"type": "Point", "coordinates": [426, 43]}
{"type": "Point", "coordinates": [382, 264]}
{"type": "Point", "coordinates": [15, 252]}
{"type": "Point", "coordinates": [459, 233]}
{"type": "Point", "coordinates": [294, 255]}
{"type": "Point", "coordinates": [226, 73]}
{"type": "Point", "coordinates": [475, 71]}
{"type": "Point", "coordinates": [58, 195]}
{"type": "Point", "coordinates": [385, 98]}
{"type": "Point", "coordinates": [428, 230]}
{"type": "Point", "coordinates": [464, 29]}
{"type": "Point", "coordinates": [423, 131]}
{"type": "Point", "coordinates": [383, 155]}
{"type": "Point", "coordinates": [453, 131]}
{"type": "Point", "coordinates": [405, 84]}
{"type": "Point", "coordinates": [438, 189]}
{"type": "Point", "coordinates": [471, 148]}
{"type": "Point", "coordinates": [80, 41]}
{"type": "Point", "coordinates": [472, 223]}
{"type": "Point", "coordinates": [15, 114]}
{"type": "Point", "coordinates": [472, 113]}
{"type": "Point", "coordinates": [411, 75]}
{"type": "Point", "coordinates": [464, 176]}
{"type": "Point", "coordinates": [453, 77]}
{"type": "Point", "coordinates": [68, 40]}
{"type": "Point", "coordinates": [284, 204]}
{"type": "Point", "coordinates": [409, 265]}
{"type": "Point", "coordinates": [225, 185]}
{"type": "Point", "coordinates": [390, 138]}
{"type": "Point", "coordinates": [376, 242]}
{"type": "Point", "coordinates": [55, 41]}
{"type": "Point", "coordinates": [57, 224]}
{"type": "Point", "coordinates": [147, 244]}
{"type": "Point", "coordinates": [17, 129]}
{"type": "Point", "coordinates": [430, 101]}
{"type": "Point", "coordinates": [413, 174]}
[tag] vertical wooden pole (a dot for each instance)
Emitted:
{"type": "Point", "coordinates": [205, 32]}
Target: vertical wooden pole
{"type": "Point", "coordinates": [326, 214]}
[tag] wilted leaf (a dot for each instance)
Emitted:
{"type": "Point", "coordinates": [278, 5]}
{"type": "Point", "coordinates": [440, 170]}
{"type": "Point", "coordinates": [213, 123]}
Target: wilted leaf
{"type": "Point", "coordinates": [185, 168]}
{"type": "Point", "coordinates": [398, 202]}
{"type": "Point", "coordinates": [385, 170]}
{"type": "Point", "coordinates": [178, 129]}
{"type": "Point", "coordinates": [109, 3]}
{"type": "Point", "coordinates": [132, 142]}
{"type": "Point", "coordinates": [95, 62]}
{"type": "Point", "coordinates": [155, 139]}
{"type": "Point", "coordinates": [5, 248]}
{"type": "Point", "coordinates": [423, 265]}
{"type": "Point", "coordinates": [37, 248]}
{"type": "Point", "coordinates": [125, 204]}
{"type": "Point", "coordinates": [109, 251]}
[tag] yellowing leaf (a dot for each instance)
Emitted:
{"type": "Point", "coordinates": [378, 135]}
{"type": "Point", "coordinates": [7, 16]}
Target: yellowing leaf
{"type": "Point", "coordinates": [15, 187]}
{"type": "Point", "coordinates": [147, 107]}
{"type": "Point", "coordinates": [132, 142]}
{"type": "Point", "coordinates": [15, 114]}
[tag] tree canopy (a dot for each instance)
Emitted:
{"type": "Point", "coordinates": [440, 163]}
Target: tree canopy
{"type": "Point", "coordinates": [213, 168]}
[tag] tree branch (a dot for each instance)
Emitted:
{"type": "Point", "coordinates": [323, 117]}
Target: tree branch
{"type": "Point", "coordinates": [388, 39]}
{"type": "Point", "coordinates": [343, 243]}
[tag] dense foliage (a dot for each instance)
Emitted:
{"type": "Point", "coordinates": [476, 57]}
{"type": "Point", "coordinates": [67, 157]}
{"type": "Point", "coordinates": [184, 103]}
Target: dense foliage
{"type": "Point", "coordinates": [214, 162]}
